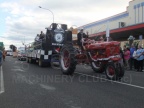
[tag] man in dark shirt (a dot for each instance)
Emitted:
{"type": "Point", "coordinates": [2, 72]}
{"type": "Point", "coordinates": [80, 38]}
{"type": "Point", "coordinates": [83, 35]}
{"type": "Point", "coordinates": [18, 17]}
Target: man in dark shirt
{"type": "Point", "coordinates": [41, 35]}
{"type": "Point", "coordinates": [81, 35]}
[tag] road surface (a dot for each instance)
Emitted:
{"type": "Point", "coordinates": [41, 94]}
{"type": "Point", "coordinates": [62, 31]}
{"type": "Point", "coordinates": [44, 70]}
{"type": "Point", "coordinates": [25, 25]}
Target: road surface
{"type": "Point", "coordinates": [24, 85]}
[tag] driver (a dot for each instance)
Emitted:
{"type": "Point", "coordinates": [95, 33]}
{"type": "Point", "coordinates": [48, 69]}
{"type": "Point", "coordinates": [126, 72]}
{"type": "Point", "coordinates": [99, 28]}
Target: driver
{"type": "Point", "coordinates": [81, 35]}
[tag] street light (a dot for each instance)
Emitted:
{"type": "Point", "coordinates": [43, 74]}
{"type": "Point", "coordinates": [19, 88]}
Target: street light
{"type": "Point", "coordinates": [48, 10]}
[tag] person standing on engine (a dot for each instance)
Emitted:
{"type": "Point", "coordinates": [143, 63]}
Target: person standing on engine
{"type": "Point", "coordinates": [42, 35]}
{"type": "Point", "coordinates": [81, 35]}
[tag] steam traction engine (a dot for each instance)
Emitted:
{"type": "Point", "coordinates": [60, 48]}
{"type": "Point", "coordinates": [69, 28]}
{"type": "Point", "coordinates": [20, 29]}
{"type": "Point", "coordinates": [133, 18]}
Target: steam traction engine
{"type": "Point", "coordinates": [46, 51]}
{"type": "Point", "coordinates": [102, 56]}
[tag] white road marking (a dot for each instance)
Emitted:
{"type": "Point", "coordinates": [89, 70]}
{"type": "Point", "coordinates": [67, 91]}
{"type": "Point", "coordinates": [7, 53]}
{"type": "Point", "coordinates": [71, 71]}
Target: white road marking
{"type": "Point", "coordinates": [47, 87]}
{"type": "Point", "coordinates": [136, 86]}
{"type": "Point", "coordinates": [1, 81]}
{"type": "Point", "coordinates": [17, 67]}
{"type": "Point", "coordinates": [18, 70]}
{"type": "Point", "coordinates": [19, 78]}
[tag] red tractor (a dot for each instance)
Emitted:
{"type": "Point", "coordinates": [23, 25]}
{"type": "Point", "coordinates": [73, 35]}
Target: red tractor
{"type": "Point", "coordinates": [102, 57]}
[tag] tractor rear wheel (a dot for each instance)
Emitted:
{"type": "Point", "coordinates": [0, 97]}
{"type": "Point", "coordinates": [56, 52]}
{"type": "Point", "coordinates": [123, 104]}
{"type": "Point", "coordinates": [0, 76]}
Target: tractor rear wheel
{"type": "Point", "coordinates": [67, 59]}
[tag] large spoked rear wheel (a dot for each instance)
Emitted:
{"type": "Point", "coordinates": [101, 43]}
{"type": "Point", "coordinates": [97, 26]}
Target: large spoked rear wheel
{"type": "Point", "coordinates": [111, 71]}
{"type": "Point", "coordinates": [97, 67]}
{"type": "Point", "coordinates": [67, 59]}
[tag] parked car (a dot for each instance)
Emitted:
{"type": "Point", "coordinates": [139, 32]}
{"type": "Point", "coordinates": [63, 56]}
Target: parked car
{"type": "Point", "coordinates": [21, 56]}
{"type": "Point", "coordinates": [9, 53]}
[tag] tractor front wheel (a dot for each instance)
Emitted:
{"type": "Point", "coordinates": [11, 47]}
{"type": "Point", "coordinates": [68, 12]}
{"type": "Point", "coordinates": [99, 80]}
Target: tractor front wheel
{"type": "Point", "coordinates": [97, 67]}
{"type": "Point", "coordinates": [111, 71]}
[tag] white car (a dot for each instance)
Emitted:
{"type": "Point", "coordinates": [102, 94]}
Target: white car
{"type": "Point", "coordinates": [9, 53]}
{"type": "Point", "coordinates": [21, 56]}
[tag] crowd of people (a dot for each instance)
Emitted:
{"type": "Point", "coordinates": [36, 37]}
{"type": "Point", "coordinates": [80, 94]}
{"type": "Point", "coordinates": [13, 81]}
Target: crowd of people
{"type": "Point", "coordinates": [40, 36]}
{"type": "Point", "coordinates": [133, 58]}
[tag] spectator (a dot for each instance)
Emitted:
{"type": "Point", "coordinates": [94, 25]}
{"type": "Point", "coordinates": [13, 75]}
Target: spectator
{"type": "Point", "coordinates": [135, 59]}
{"type": "Point", "coordinates": [139, 54]}
{"type": "Point", "coordinates": [132, 60]}
{"type": "Point", "coordinates": [127, 57]}
{"type": "Point", "coordinates": [124, 47]}
{"type": "Point", "coordinates": [37, 38]}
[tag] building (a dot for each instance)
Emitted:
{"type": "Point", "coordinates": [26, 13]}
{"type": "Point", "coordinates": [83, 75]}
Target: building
{"type": "Point", "coordinates": [122, 25]}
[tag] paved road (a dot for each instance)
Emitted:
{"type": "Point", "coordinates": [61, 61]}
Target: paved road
{"type": "Point", "coordinates": [25, 85]}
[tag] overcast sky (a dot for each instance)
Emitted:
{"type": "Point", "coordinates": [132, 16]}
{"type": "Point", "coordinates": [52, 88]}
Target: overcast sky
{"type": "Point", "coordinates": [21, 20]}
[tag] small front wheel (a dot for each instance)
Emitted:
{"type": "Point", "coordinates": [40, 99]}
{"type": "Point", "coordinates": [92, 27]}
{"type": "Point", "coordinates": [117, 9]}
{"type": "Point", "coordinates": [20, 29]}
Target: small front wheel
{"type": "Point", "coordinates": [98, 67]}
{"type": "Point", "coordinates": [111, 71]}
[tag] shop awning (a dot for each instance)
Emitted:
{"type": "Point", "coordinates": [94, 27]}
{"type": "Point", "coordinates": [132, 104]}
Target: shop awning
{"type": "Point", "coordinates": [124, 33]}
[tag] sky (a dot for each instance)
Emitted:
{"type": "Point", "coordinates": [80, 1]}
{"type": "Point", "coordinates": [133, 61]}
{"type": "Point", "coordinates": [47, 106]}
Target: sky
{"type": "Point", "coordinates": [22, 20]}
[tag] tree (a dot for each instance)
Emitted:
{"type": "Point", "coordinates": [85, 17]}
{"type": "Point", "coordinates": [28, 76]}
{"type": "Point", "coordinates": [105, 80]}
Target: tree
{"type": "Point", "coordinates": [13, 48]}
